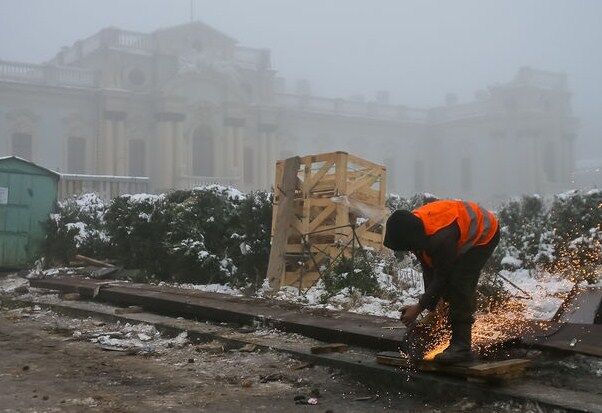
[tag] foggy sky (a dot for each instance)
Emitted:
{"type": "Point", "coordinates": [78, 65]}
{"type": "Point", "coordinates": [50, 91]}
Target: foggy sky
{"type": "Point", "coordinates": [418, 50]}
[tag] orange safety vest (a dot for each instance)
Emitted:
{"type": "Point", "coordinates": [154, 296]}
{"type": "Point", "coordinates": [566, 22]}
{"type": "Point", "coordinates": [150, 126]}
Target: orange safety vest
{"type": "Point", "coordinates": [477, 225]}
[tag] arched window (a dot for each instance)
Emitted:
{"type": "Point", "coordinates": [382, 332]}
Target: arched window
{"type": "Point", "coordinates": [202, 152]}
{"type": "Point", "coordinates": [76, 155]}
{"type": "Point", "coordinates": [549, 162]}
{"type": "Point", "coordinates": [137, 155]}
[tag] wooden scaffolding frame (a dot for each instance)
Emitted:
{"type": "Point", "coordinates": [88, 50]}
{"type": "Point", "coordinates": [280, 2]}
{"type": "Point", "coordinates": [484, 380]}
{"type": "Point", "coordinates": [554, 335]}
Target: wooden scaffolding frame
{"type": "Point", "coordinates": [323, 204]}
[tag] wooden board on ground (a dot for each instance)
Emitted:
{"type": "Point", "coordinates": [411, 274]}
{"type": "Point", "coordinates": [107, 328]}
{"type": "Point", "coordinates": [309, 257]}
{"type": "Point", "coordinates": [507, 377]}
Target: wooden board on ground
{"type": "Point", "coordinates": [330, 348]}
{"type": "Point", "coordinates": [485, 370]}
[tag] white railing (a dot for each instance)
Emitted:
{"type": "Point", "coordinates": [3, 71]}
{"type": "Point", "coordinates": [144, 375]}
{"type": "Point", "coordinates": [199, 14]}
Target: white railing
{"type": "Point", "coordinates": [21, 71]}
{"type": "Point", "coordinates": [47, 75]}
{"type": "Point", "coordinates": [350, 108]}
{"type": "Point", "coordinates": [109, 37]}
{"type": "Point", "coordinates": [134, 40]}
{"type": "Point", "coordinates": [71, 76]}
{"type": "Point", "coordinates": [189, 182]}
{"type": "Point", "coordinates": [106, 187]}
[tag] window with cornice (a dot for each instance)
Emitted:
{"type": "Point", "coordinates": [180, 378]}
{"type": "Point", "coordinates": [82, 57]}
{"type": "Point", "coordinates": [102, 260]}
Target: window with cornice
{"type": "Point", "coordinates": [137, 155]}
{"type": "Point", "coordinates": [76, 155]}
{"type": "Point", "coordinates": [202, 152]}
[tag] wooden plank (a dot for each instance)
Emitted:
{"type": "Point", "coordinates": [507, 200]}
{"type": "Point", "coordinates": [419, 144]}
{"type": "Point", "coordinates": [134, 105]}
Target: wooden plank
{"type": "Point", "coordinates": [330, 348]}
{"type": "Point", "coordinates": [317, 176]}
{"type": "Point", "coordinates": [325, 213]}
{"type": "Point", "coordinates": [364, 182]}
{"type": "Point", "coordinates": [322, 157]}
{"type": "Point", "coordinates": [283, 222]}
{"type": "Point", "coordinates": [382, 188]}
{"type": "Point", "coordinates": [342, 217]}
{"type": "Point", "coordinates": [352, 159]}
{"type": "Point", "coordinates": [492, 370]}
{"type": "Point", "coordinates": [92, 261]}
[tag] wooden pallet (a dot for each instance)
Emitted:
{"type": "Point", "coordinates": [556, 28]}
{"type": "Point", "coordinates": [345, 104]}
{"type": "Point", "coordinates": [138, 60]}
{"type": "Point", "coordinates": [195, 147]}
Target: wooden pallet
{"type": "Point", "coordinates": [486, 371]}
{"type": "Point", "coordinates": [314, 208]}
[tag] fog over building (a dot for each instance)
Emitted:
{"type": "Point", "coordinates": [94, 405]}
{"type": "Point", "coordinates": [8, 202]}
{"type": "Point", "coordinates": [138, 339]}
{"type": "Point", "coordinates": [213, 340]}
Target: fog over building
{"type": "Point", "coordinates": [187, 105]}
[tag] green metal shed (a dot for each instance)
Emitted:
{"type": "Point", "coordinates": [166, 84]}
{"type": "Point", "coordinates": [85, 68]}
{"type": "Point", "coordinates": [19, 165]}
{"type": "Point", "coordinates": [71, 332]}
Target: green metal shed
{"type": "Point", "coordinates": [27, 197]}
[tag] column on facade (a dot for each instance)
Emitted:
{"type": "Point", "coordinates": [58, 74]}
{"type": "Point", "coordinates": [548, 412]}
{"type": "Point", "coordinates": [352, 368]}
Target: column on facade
{"type": "Point", "coordinates": [262, 159]}
{"type": "Point", "coordinates": [266, 158]}
{"type": "Point", "coordinates": [233, 146]}
{"type": "Point", "coordinates": [537, 166]}
{"type": "Point", "coordinates": [238, 150]}
{"type": "Point", "coordinates": [107, 148]}
{"type": "Point", "coordinates": [113, 145]}
{"type": "Point", "coordinates": [169, 150]}
{"type": "Point", "coordinates": [274, 150]}
{"type": "Point", "coordinates": [180, 156]}
{"type": "Point", "coordinates": [228, 159]}
{"type": "Point", "coordinates": [121, 148]}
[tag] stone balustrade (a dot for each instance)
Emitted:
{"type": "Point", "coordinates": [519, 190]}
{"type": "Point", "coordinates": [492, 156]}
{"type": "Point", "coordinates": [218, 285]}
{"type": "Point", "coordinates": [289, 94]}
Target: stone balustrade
{"type": "Point", "coordinates": [105, 186]}
{"type": "Point", "coordinates": [47, 74]}
{"type": "Point", "coordinates": [351, 108]}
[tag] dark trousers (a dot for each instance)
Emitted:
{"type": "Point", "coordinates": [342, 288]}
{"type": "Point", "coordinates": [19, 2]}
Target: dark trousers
{"type": "Point", "coordinates": [460, 290]}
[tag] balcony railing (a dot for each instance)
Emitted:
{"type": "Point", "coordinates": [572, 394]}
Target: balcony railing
{"type": "Point", "coordinates": [106, 187]}
{"type": "Point", "coordinates": [47, 74]}
{"type": "Point", "coordinates": [460, 111]}
{"type": "Point", "coordinates": [351, 108]}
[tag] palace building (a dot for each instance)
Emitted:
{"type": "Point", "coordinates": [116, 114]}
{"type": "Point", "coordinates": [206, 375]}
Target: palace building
{"type": "Point", "coordinates": [187, 105]}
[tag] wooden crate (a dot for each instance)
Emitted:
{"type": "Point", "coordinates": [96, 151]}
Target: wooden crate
{"type": "Point", "coordinates": [327, 194]}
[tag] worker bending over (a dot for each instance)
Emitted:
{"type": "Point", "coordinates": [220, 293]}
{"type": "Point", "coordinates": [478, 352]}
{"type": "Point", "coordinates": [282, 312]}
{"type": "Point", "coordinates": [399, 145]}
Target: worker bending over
{"type": "Point", "coordinates": [453, 240]}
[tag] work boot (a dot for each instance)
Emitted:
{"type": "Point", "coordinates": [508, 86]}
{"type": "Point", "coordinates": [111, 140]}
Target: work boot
{"type": "Point", "coordinates": [454, 354]}
{"type": "Point", "coordinates": [459, 349]}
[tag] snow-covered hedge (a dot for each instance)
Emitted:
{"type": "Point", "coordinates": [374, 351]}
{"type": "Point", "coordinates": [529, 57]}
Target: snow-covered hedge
{"type": "Point", "coordinates": [563, 236]}
{"type": "Point", "coordinates": [219, 235]}
{"type": "Point", "coordinates": [206, 235]}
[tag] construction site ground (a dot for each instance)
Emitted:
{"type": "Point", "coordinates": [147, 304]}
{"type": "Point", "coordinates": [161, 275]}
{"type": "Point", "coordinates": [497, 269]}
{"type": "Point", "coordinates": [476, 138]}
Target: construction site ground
{"type": "Point", "coordinates": [48, 362]}
{"type": "Point", "coordinates": [44, 369]}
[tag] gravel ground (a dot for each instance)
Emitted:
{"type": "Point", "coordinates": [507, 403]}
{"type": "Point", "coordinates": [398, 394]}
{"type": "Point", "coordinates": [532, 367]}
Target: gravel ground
{"type": "Point", "coordinates": [48, 363]}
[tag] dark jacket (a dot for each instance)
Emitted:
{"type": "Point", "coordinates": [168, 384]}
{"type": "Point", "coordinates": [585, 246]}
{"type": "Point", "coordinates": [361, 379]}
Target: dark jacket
{"type": "Point", "coordinates": [441, 247]}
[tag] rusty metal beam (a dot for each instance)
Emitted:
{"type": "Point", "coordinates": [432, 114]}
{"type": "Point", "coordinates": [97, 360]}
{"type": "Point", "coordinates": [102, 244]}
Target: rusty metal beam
{"type": "Point", "coordinates": [570, 337]}
{"type": "Point", "coordinates": [582, 306]}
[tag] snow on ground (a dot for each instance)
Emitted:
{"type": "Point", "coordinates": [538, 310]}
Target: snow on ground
{"type": "Point", "coordinates": [547, 291]}
{"type": "Point", "coordinates": [209, 288]}
{"type": "Point", "coordinates": [11, 283]}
